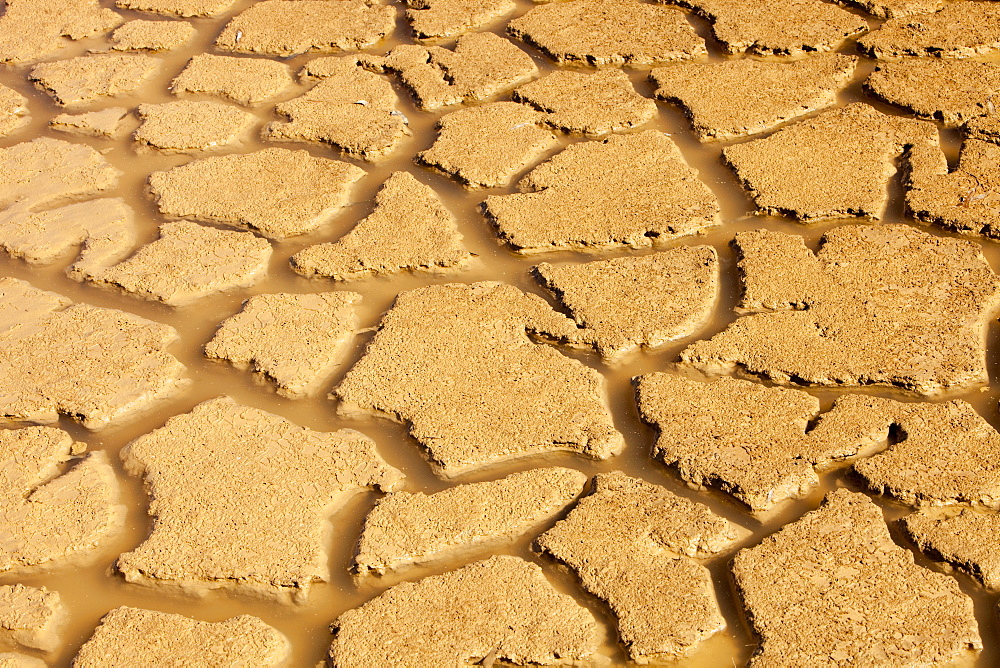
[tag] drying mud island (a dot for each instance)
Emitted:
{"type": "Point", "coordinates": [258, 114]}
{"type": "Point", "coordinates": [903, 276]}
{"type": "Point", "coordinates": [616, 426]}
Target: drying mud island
{"type": "Point", "coordinates": [442, 333]}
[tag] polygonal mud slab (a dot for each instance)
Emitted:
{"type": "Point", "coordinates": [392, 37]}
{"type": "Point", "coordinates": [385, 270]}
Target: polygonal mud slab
{"type": "Point", "coordinates": [294, 340]}
{"type": "Point", "coordinates": [891, 9]}
{"type": "Point", "coordinates": [735, 98]}
{"type": "Point", "coordinates": [501, 608]}
{"type": "Point", "coordinates": [184, 8]}
{"type": "Point", "coordinates": [13, 111]}
{"type": "Point", "coordinates": [274, 191]}
{"type": "Point", "coordinates": [833, 589]}
{"type": "Point", "coordinates": [350, 108]}
{"type": "Point", "coordinates": [44, 170]}
{"type": "Point", "coordinates": [13, 660]}
{"type": "Point", "coordinates": [189, 261]}
{"type": "Point", "coordinates": [34, 29]}
{"type": "Point", "coordinates": [747, 439]}
{"type": "Point", "coordinates": [936, 453]}
{"type": "Point", "coordinates": [885, 305]}
{"type": "Point", "coordinates": [964, 538]}
{"type": "Point", "coordinates": [960, 30]}
{"type": "Point", "coordinates": [187, 125]}
{"type": "Point", "coordinates": [456, 363]}
{"type": "Point", "coordinates": [962, 200]}
{"type": "Point", "coordinates": [589, 104]}
{"type": "Point", "coordinates": [480, 66]}
{"type": "Point", "coordinates": [835, 165]}
{"type": "Point", "coordinates": [51, 517]}
{"type": "Point", "coordinates": [102, 228]}
{"type": "Point", "coordinates": [291, 27]}
{"type": "Point", "coordinates": [629, 190]}
{"type": "Point", "coordinates": [107, 123]}
{"type": "Point", "coordinates": [31, 618]}
{"type": "Point", "coordinates": [206, 472]}
{"type": "Point", "coordinates": [405, 529]}
{"type": "Point", "coordinates": [629, 541]}
{"type": "Point", "coordinates": [246, 81]}
{"type": "Point", "coordinates": [950, 91]}
{"type": "Point", "coordinates": [487, 145]}
{"type": "Point", "coordinates": [111, 363]}
{"type": "Point", "coordinates": [137, 637]}
{"type": "Point", "coordinates": [87, 79]}
{"type": "Point", "coordinates": [609, 32]}
{"type": "Point", "coordinates": [643, 301]}
{"type": "Point", "coordinates": [778, 27]}
{"type": "Point", "coordinates": [410, 229]}
{"type": "Point", "coordinates": [440, 19]}
{"type": "Point", "coordinates": [140, 35]}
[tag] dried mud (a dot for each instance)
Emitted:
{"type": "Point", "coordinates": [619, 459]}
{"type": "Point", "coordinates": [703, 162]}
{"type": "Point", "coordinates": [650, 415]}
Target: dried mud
{"type": "Point", "coordinates": [237, 531]}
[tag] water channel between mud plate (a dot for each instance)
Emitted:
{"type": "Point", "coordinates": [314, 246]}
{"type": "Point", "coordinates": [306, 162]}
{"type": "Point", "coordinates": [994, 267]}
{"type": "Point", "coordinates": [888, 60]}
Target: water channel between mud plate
{"type": "Point", "coordinates": [91, 590]}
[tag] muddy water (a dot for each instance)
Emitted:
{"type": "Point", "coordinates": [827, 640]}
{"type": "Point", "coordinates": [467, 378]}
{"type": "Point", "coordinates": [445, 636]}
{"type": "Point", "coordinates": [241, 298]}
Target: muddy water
{"type": "Point", "coordinates": [91, 590]}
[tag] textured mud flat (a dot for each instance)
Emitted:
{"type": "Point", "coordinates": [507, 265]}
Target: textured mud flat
{"type": "Point", "coordinates": [491, 332]}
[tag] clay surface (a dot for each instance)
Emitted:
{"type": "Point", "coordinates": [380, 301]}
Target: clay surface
{"type": "Point", "coordinates": [964, 538]}
{"type": "Point", "coordinates": [962, 200]}
{"type": "Point", "coordinates": [87, 79]}
{"type": "Point", "coordinates": [735, 98]}
{"type": "Point", "coordinates": [747, 439]}
{"type": "Point", "coordinates": [291, 27]}
{"type": "Point", "coordinates": [51, 516]}
{"type": "Point", "coordinates": [779, 27]}
{"type": "Point", "coordinates": [488, 145]}
{"type": "Point", "coordinates": [186, 125]}
{"type": "Point", "coordinates": [274, 191]}
{"type": "Point", "coordinates": [835, 165]}
{"type": "Point", "coordinates": [13, 110]}
{"type": "Point", "coordinates": [36, 174]}
{"type": "Point", "coordinates": [937, 454]}
{"type": "Point", "coordinates": [885, 305]}
{"type": "Point", "coordinates": [102, 228]}
{"type": "Point", "coordinates": [410, 229]}
{"type": "Point", "coordinates": [31, 618]}
{"type": "Point", "coordinates": [629, 542]}
{"type": "Point", "coordinates": [609, 32]}
{"type": "Point", "coordinates": [185, 8]}
{"type": "Point", "coordinates": [205, 540]}
{"type": "Point", "coordinates": [33, 29]}
{"type": "Point", "coordinates": [45, 170]}
{"type": "Point", "coordinates": [108, 123]}
{"type": "Point", "coordinates": [644, 301]}
{"type": "Point", "coordinates": [188, 261]}
{"type": "Point", "coordinates": [246, 81]}
{"type": "Point", "coordinates": [629, 190]}
{"type": "Point", "coordinates": [833, 589]}
{"type": "Point", "coordinates": [440, 19]}
{"type": "Point", "coordinates": [589, 104]}
{"type": "Point", "coordinates": [456, 363]}
{"type": "Point", "coordinates": [294, 340]}
{"type": "Point", "coordinates": [984, 127]}
{"type": "Point", "coordinates": [891, 9]}
{"type": "Point", "coordinates": [481, 66]}
{"type": "Point", "coordinates": [12, 660]}
{"type": "Point", "coordinates": [140, 35]}
{"type": "Point", "coordinates": [501, 608]}
{"type": "Point", "coordinates": [137, 637]}
{"type": "Point", "coordinates": [350, 108]}
{"type": "Point", "coordinates": [111, 363]}
{"type": "Point", "coordinates": [959, 30]}
{"type": "Point", "coordinates": [404, 529]}
{"type": "Point", "coordinates": [950, 91]}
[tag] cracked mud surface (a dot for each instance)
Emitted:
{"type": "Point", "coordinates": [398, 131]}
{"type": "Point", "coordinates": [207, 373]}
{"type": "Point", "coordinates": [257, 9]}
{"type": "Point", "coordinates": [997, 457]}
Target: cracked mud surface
{"type": "Point", "coordinates": [284, 383]}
